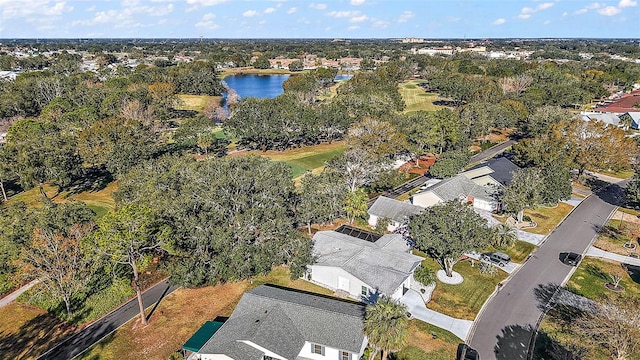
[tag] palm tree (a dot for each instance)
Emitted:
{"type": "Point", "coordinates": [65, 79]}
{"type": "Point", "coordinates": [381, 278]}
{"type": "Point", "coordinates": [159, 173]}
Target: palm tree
{"type": "Point", "coordinates": [386, 325]}
{"type": "Point", "coordinates": [505, 235]}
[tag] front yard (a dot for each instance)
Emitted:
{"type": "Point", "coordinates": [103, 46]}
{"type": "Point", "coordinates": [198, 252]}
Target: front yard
{"type": "Point", "coordinates": [547, 218]}
{"type": "Point", "coordinates": [465, 300]}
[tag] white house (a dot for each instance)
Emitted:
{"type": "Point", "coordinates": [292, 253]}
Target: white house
{"type": "Point", "coordinates": [396, 211]}
{"type": "Point", "coordinates": [363, 267]}
{"type": "Point", "coordinates": [272, 322]}
{"type": "Point", "coordinates": [462, 188]}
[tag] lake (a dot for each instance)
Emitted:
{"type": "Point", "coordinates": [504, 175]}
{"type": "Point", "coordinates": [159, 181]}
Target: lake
{"type": "Point", "coordinates": [262, 86]}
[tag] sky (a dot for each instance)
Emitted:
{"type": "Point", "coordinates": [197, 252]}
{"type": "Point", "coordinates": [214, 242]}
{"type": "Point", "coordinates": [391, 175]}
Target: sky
{"type": "Point", "coordinates": [428, 19]}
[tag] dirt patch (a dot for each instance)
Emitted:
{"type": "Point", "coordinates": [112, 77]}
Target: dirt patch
{"type": "Point", "coordinates": [619, 215]}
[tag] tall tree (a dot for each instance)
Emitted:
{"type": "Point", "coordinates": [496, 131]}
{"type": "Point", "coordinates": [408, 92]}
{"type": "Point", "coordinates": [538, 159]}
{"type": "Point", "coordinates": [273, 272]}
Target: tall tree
{"type": "Point", "coordinates": [58, 261]}
{"type": "Point", "coordinates": [447, 230]}
{"type": "Point", "coordinates": [595, 145]}
{"type": "Point", "coordinates": [613, 324]}
{"type": "Point", "coordinates": [320, 197]}
{"type": "Point", "coordinates": [355, 204]}
{"type": "Point", "coordinates": [129, 236]}
{"type": "Point", "coordinates": [523, 192]}
{"type": "Point", "coordinates": [386, 326]}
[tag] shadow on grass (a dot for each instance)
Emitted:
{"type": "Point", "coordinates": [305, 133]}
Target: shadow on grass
{"type": "Point", "coordinates": [634, 272]}
{"type": "Point", "coordinates": [33, 337]}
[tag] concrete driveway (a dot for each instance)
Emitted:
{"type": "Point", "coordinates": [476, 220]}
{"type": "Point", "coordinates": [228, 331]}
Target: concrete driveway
{"type": "Point", "coordinates": [508, 268]}
{"type": "Point", "coordinates": [505, 326]}
{"type": "Point", "coordinates": [415, 305]}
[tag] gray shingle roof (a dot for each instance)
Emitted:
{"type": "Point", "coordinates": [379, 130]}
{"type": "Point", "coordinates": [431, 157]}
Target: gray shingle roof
{"type": "Point", "coordinates": [607, 118]}
{"type": "Point", "coordinates": [281, 320]}
{"type": "Point", "coordinates": [395, 210]}
{"type": "Point", "coordinates": [384, 265]}
{"type": "Point", "coordinates": [501, 169]}
{"type": "Point", "coordinates": [459, 187]}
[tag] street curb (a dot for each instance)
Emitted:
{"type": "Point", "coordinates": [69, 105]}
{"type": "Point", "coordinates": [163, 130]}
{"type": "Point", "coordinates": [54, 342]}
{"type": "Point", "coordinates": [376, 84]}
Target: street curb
{"type": "Point", "coordinates": [493, 294]}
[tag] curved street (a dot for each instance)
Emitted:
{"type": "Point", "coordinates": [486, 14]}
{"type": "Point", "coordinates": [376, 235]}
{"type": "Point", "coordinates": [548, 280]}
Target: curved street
{"type": "Point", "coordinates": [504, 328]}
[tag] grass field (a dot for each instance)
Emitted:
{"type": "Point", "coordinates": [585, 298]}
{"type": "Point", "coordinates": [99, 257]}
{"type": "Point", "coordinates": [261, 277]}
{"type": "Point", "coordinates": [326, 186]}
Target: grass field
{"type": "Point", "coordinates": [306, 158]}
{"type": "Point", "coordinates": [27, 331]}
{"type": "Point", "coordinates": [462, 301]}
{"type": "Point", "coordinates": [423, 345]}
{"type": "Point", "coordinates": [416, 98]}
{"type": "Point", "coordinates": [100, 201]}
{"type": "Point", "coordinates": [590, 277]}
{"type": "Point", "coordinates": [547, 218]}
{"type": "Point", "coordinates": [195, 102]}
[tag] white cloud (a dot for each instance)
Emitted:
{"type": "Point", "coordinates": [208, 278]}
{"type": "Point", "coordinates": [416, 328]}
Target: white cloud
{"type": "Point", "coordinates": [526, 12]}
{"type": "Point", "coordinates": [355, 27]}
{"type": "Point", "coordinates": [10, 9]}
{"type": "Point", "coordinates": [318, 6]}
{"type": "Point", "coordinates": [544, 6]}
{"type": "Point", "coordinates": [262, 22]}
{"type": "Point", "coordinates": [292, 10]}
{"type": "Point", "coordinates": [405, 16]}
{"type": "Point", "coordinates": [609, 11]}
{"type": "Point", "coordinates": [206, 2]}
{"type": "Point", "coordinates": [581, 11]}
{"type": "Point", "coordinates": [269, 10]}
{"type": "Point", "coordinates": [343, 14]}
{"type": "Point", "coordinates": [380, 24]}
{"type": "Point", "coordinates": [565, 14]}
{"type": "Point", "coordinates": [453, 19]}
{"type": "Point", "coordinates": [207, 22]}
{"type": "Point", "coordinates": [594, 6]}
{"type": "Point", "coordinates": [499, 21]}
{"type": "Point", "coordinates": [627, 3]}
{"type": "Point", "coordinates": [360, 18]}
{"type": "Point", "coordinates": [357, 2]}
{"type": "Point", "coordinates": [249, 13]}
{"type": "Point", "coordinates": [547, 22]}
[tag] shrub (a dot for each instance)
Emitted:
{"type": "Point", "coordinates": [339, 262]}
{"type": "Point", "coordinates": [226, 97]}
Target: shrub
{"type": "Point", "coordinates": [487, 268]}
{"type": "Point", "coordinates": [424, 276]}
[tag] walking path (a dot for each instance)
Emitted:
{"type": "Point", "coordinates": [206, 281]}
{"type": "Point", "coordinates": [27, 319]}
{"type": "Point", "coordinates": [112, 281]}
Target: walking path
{"type": "Point", "coordinates": [415, 305]}
{"type": "Point", "coordinates": [595, 252]}
{"type": "Point", "coordinates": [14, 295]}
{"type": "Point", "coordinates": [90, 335]}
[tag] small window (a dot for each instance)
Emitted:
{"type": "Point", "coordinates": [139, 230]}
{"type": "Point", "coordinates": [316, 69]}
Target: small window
{"type": "Point", "coordinates": [344, 355]}
{"type": "Point", "coordinates": [317, 349]}
{"type": "Point", "coordinates": [364, 291]}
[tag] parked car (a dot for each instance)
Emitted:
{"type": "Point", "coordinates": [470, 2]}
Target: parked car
{"type": "Point", "coordinates": [498, 258]}
{"type": "Point", "coordinates": [570, 258]}
{"type": "Point", "coordinates": [466, 352]}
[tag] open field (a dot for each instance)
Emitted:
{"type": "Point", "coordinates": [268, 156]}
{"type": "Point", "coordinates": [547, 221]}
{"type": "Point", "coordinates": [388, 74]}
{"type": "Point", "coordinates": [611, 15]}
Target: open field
{"type": "Point", "coordinates": [99, 201]}
{"type": "Point", "coordinates": [416, 98]}
{"type": "Point", "coordinates": [27, 331]}
{"type": "Point", "coordinates": [305, 158]}
{"type": "Point", "coordinates": [462, 301]}
{"type": "Point", "coordinates": [196, 102]}
{"type": "Point", "coordinates": [547, 218]}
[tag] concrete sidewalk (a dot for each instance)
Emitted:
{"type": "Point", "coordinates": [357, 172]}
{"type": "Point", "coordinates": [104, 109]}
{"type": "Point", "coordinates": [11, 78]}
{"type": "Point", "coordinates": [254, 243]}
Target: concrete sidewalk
{"type": "Point", "coordinates": [415, 305]}
{"type": "Point", "coordinates": [534, 239]}
{"type": "Point", "coordinates": [14, 295]}
{"type": "Point", "coordinates": [595, 252]}
{"type": "Point", "coordinates": [508, 268]}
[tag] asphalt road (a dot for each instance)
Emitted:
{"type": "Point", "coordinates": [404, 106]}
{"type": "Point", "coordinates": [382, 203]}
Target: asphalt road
{"type": "Point", "coordinates": [88, 336]}
{"type": "Point", "coordinates": [505, 327]}
{"type": "Point", "coordinates": [491, 152]}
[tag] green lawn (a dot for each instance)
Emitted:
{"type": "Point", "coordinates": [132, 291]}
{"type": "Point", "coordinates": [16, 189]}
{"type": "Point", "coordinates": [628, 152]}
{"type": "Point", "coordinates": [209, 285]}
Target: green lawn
{"type": "Point", "coordinates": [547, 218]}
{"type": "Point", "coordinates": [465, 300]}
{"type": "Point", "coordinates": [99, 201]}
{"type": "Point", "coordinates": [518, 252]}
{"type": "Point", "coordinates": [195, 102]}
{"type": "Point", "coordinates": [589, 279]}
{"type": "Point", "coordinates": [306, 158]}
{"type": "Point", "coordinates": [416, 98]}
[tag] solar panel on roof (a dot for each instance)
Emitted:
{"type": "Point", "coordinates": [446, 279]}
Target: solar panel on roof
{"type": "Point", "coordinates": [358, 233]}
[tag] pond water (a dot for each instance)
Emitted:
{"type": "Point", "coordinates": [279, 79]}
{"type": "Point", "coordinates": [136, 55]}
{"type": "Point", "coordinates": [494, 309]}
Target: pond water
{"type": "Point", "coordinates": [261, 86]}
